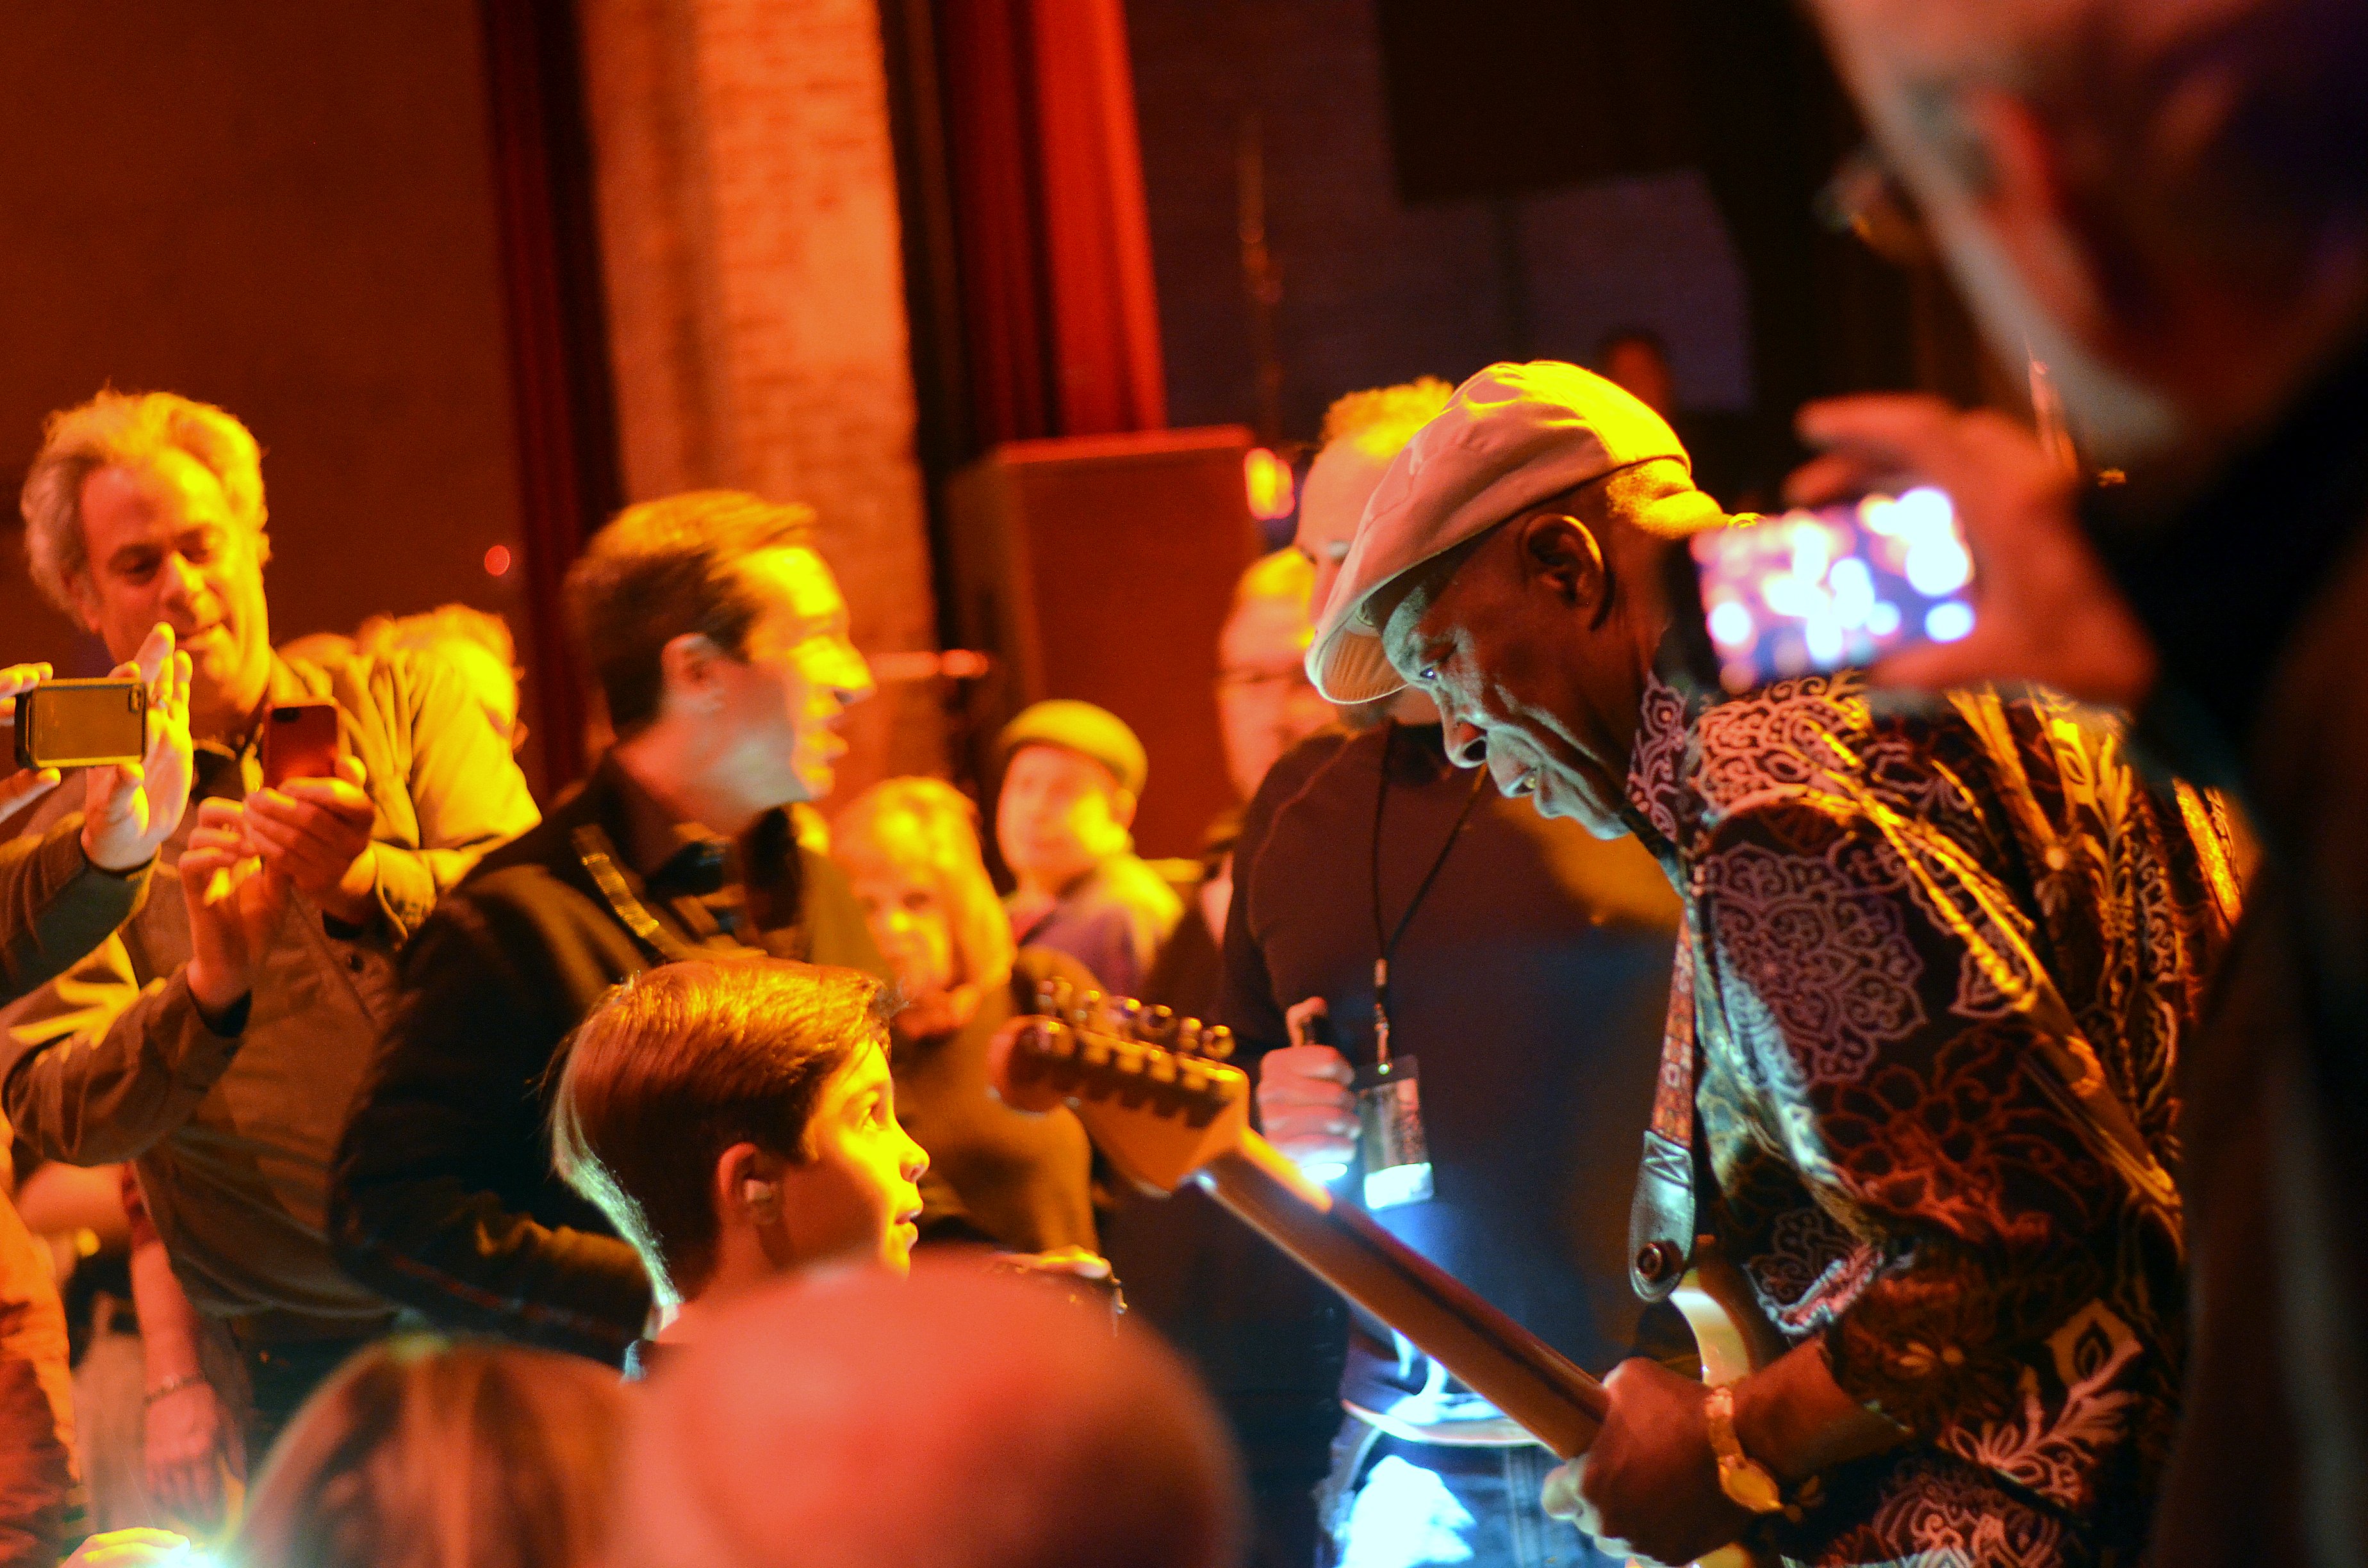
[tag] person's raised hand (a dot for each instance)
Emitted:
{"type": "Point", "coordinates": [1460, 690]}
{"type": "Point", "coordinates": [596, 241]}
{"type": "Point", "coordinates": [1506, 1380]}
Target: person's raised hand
{"type": "Point", "coordinates": [235, 903]}
{"type": "Point", "coordinates": [317, 833]}
{"type": "Point", "coordinates": [1647, 1487]}
{"type": "Point", "coordinates": [25, 786]}
{"type": "Point", "coordinates": [1305, 1103]}
{"type": "Point", "coordinates": [138, 1547]}
{"type": "Point", "coordinates": [2045, 609]}
{"type": "Point", "coordinates": [129, 810]}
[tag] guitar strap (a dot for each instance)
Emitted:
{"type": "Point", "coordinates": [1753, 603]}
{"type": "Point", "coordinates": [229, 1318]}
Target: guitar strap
{"type": "Point", "coordinates": [1661, 1216]}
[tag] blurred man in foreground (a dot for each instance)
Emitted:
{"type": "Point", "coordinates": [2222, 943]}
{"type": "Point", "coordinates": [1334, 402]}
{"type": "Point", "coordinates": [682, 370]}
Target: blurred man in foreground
{"type": "Point", "coordinates": [2165, 201]}
{"type": "Point", "coordinates": [1934, 976]}
{"type": "Point", "coordinates": [220, 1054]}
{"type": "Point", "coordinates": [954, 1419]}
{"type": "Point", "coordinates": [720, 641]}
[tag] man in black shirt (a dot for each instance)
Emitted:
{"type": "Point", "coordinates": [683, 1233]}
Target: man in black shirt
{"type": "Point", "coordinates": [720, 641]}
{"type": "Point", "coordinates": [1500, 929]}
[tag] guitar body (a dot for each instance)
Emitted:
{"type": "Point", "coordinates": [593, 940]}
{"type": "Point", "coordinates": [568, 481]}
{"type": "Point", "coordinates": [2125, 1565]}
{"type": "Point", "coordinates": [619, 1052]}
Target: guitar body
{"type": "Point", "coordinates": [1734, 1337]}
{"type": "Point", "coordinates": [1165, 1117]}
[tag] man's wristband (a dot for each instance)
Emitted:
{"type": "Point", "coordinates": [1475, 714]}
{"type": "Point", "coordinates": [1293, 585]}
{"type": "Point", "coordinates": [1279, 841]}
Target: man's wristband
{"type": "Point", "coordinates": [172, 1386]}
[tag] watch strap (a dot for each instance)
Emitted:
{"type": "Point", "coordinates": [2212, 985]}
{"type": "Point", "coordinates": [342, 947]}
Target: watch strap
{"type": "Point", "coordinates": [1746, 1482]}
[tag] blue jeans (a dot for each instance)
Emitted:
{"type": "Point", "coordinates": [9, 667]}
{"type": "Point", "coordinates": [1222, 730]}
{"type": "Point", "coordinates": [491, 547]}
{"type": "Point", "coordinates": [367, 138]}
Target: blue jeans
{"type": "Point", "coordinates": [1392, 1504]}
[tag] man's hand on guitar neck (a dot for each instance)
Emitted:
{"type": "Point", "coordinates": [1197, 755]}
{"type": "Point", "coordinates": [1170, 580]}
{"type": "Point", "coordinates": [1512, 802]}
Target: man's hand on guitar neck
{"type": "Point", "coordinates": [1650, 1484]}
{"type": "Point", "coordinates": [1648, 1487]}
{"type": "Point", "coordinates": [1304, 1101]}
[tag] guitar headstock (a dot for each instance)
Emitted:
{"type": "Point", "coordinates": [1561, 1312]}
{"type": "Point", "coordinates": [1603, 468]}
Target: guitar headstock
{"type": "Point", "coordinates": [1153, 1089]}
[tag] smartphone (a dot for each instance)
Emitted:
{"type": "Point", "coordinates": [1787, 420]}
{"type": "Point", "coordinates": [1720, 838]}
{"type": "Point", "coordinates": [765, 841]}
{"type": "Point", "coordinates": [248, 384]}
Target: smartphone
{"type": "Point", "coordinates": [301, 739]}
{"type": "Point", "coordinates": [1836, 587]}
{"type": "Point", "coordinates": [81, 724]}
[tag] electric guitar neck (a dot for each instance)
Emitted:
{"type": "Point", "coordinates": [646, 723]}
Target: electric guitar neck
{"type": "Point", "coordinates": [1160, 1101]}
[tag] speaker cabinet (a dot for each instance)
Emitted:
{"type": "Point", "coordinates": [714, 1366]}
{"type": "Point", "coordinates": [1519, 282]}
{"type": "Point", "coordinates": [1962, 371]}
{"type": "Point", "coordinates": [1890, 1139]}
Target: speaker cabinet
{"type": "Point", "coordinates": [1102, 567]}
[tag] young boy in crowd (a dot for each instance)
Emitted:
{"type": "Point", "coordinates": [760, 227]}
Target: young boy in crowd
{"type": "Point", "coordinates": [735, 1120]}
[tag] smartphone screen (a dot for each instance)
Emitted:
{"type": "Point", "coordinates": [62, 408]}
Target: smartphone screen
{"type": "Point", "coordinates": [1835, 588]}
{"type": "Point", "coordinates": [300, 741]}
{"type": "Point", "coordinates": [81, 724]}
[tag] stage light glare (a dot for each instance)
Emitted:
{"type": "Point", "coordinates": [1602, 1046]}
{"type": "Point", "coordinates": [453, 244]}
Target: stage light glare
{"type": "Point", "coordinates": [1267, 480]}
{"type": "Point", "coordinates": [497, 561]}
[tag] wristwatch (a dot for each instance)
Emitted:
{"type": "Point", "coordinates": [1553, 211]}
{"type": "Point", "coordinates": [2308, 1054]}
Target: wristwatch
{"type": "Point", "coordinates": [1745, 1479]}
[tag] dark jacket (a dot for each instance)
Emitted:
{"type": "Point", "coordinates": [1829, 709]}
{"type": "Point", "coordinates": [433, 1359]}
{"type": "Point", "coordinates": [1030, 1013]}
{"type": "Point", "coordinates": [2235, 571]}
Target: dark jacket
{"type": "Point", "coordinates": [56, 906]}
{"type": "Point", "coordinates": [443, 1195]}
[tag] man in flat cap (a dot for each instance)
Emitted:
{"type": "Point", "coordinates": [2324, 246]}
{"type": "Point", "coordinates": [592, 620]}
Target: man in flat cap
{"type": "Point", "coordinates": [1933, 976]}
{"type": "Point", "coordinates": [1072, 774]}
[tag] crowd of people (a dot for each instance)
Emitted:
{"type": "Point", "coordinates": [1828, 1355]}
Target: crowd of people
{"type": "Point", "coordinates": [439, 1180]}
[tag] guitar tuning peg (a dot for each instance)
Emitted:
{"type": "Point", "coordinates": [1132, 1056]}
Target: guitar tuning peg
{"type": "Point", "coordinates": [1087, 1013]}
{"type": "Point", "coordinates": [1126, 1016]}
{"type": "Point", "coordinates": [1158, 1026]}
{"type": "Point", "coordinates": [1187, 1036]}
{"type": "Point", "coordinates": [1216, 1042]}
{"type": "Point", "coordinates": [1052, 997]}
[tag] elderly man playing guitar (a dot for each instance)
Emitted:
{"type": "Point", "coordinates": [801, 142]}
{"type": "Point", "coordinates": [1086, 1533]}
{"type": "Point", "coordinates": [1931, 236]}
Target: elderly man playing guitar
{"type": "Point", "coordinates": [1934, 975]}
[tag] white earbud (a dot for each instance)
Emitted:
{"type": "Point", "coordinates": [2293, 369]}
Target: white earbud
{"type": "Point", "coordinates": [763, 1198]}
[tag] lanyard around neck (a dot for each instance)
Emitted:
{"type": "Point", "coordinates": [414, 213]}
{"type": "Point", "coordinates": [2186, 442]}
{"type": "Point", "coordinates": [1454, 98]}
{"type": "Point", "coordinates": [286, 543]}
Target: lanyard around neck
{"type": "Point", "coordinates": [1384, 937]}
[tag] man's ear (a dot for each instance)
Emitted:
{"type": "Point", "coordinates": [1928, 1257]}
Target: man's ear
{"type": "Point", "coordinates": [2048, 241]}
{"type": "Point", "coordinates": [744, 1185]}
{"type": "Point", "coordinates": [1563, 553]}
{"type": "Point", "coordinates": [1122, 806]}
{"type": "Point", "coordinates": [689, 669]}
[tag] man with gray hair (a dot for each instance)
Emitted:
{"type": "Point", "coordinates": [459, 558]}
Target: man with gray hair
{"type": "Point", "coordinates": [1932, 978]}
{"type": "Point", "coordinates": [223, 1067]}
{"type": "Point", "coordinates": [2166, 201]}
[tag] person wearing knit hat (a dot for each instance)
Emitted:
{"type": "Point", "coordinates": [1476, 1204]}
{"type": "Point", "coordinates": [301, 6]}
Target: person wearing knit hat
{"type": "Point", "coordinates": [1933, 1183]}
{"type": "Point", "coordinates": [1072, 774]}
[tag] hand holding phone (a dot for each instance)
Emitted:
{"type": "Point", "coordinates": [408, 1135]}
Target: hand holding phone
{"type": "Point", "coordinates": [2050, 612]}
{"type": "Point", "coordinates": [130, 808]}
{"type": "Point", "coordinates": [314, 827]}
{"type": "Point", "coordinates": [1838, 587]}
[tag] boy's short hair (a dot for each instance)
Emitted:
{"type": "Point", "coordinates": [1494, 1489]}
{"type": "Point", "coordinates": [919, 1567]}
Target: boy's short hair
{"type": "Point", "coordinates": [680, 1062]}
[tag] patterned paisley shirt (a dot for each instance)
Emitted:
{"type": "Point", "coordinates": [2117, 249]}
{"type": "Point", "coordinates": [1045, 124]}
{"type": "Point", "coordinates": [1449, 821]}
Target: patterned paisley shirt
{"type": "Point", "coordinates": [1941, 969]}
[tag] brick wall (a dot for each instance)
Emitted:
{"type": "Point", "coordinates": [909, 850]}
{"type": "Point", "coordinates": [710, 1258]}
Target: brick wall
{"type": "Point", "coordinates": [756, 318]}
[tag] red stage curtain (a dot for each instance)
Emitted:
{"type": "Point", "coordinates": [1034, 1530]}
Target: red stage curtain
{"type": "Point", "coordinates": [558, 345]}
{"type": "Point", "coordinates": [1060, 319]}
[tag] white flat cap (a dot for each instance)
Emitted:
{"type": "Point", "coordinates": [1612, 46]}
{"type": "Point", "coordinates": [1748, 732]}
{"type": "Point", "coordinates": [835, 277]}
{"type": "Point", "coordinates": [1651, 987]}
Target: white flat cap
{"type": "Point", "coordinates": [1511, 436]}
